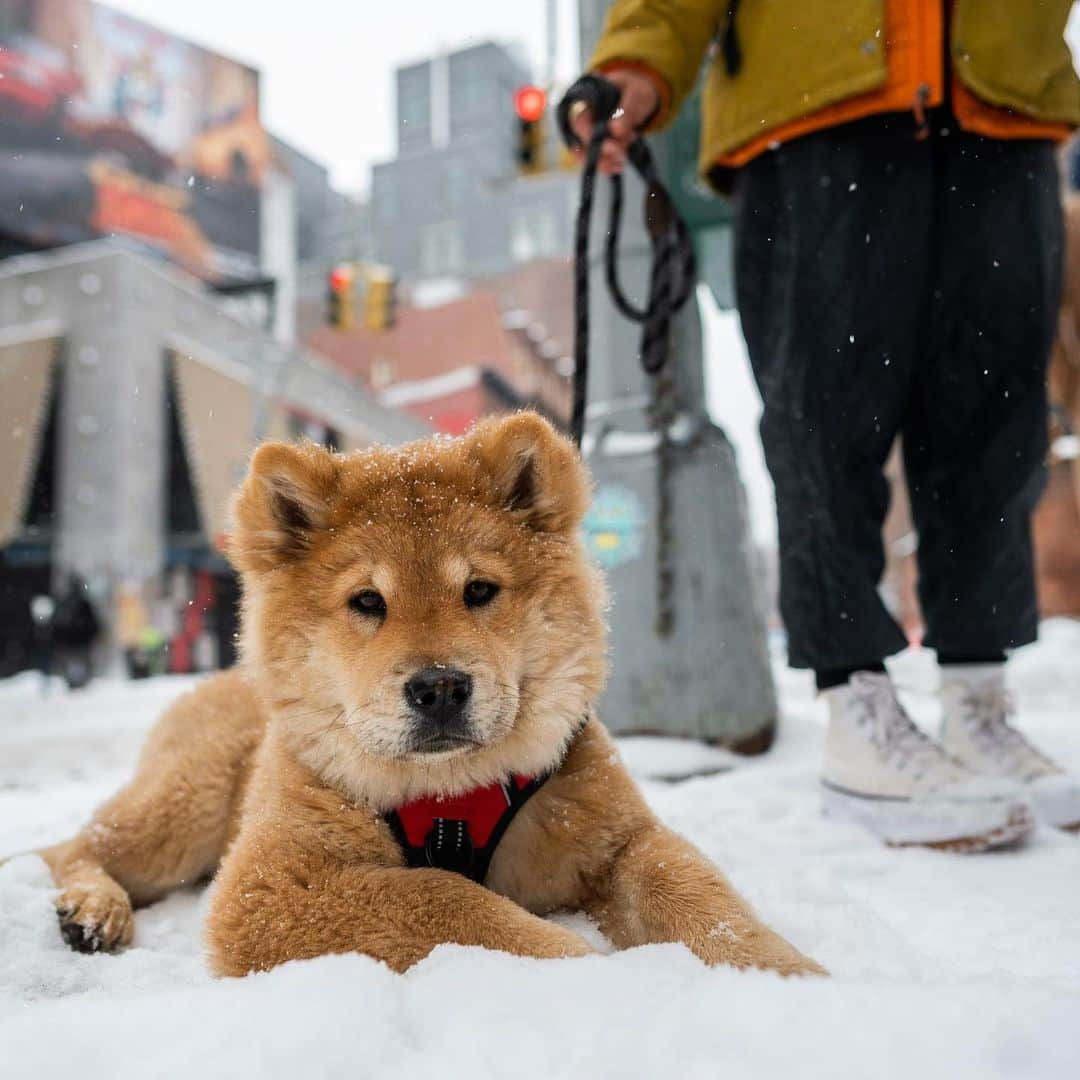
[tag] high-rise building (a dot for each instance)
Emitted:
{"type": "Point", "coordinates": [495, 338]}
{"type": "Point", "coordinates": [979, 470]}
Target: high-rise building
{"type": "Point", "coordinates": [452, 203]}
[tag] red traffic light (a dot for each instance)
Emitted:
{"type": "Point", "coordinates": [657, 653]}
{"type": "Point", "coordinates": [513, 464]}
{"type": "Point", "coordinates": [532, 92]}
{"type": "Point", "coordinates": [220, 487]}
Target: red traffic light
{"type": "Point", "coordinates": [340, 279]}
{"type": "Point", "coordinates": [529, 103]}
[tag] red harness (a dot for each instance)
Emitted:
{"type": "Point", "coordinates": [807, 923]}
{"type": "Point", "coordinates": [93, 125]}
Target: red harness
{"type": "Point", "coordinates": [461, 832]}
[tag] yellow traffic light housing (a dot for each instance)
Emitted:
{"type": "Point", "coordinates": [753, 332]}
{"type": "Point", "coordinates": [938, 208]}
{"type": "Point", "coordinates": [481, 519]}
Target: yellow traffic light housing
{"type": "Point", "coordinates": [380, 301]}
{"type": "Point", "coordinates": [530, 147]}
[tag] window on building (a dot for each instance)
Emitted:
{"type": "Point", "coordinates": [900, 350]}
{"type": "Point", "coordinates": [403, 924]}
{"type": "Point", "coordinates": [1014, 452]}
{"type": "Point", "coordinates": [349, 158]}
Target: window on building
{"type": "Point", "coordinates": [547, 232]}
{"type": "Point", "coordinates": [522, 241]}
{"type": "Point", "coordinates": [384, 198]}
{"type": "Point", "coordinates": [382, 373]}
{"type": "Point", "coordinates": [441, 248]}
{"type": "Point", "coordinates": [534, 233]}
{"type": "Point", "coordinates": [454, 184]}
{"type": "Point", "coordinates": [472, 88]}
{"type": "Point", "coordinates": [414, 105]}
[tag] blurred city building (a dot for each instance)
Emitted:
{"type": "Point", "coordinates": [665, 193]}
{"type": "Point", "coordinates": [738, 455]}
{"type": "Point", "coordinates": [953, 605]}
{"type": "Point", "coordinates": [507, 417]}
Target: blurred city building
{"type": "Point", "coordinates": [157, 238]}
{"type": "Point", "coordinates": [476, 243]}
{"type": "Point", "coordinates": [130, 401]}
{"type": "Point", "coordinates": [452, 203]}
{"type": "Point", "coordinates": [330, 226]}
{"type": "Point", "coordinates": [488, 360]}
{"type": "Point", "coordinates": [453, 355]}
{"type": "Point", "coordinates": [142, 364]}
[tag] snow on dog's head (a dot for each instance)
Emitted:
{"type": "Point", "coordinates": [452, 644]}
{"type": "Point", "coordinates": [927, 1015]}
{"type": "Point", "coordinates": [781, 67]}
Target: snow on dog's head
{"type": "Point", "coordinates": [421, 619]}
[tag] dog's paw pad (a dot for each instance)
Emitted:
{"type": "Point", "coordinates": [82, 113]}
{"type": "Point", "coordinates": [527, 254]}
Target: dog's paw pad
{"type": "Point", "coordinates": [92, 922]}
{"type": "Point", "coordinates": [84, 939]}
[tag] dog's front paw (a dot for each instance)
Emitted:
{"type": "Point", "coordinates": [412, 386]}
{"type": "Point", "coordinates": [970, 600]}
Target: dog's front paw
{"type": "Point", "coordinates": [801, 965]}
{"type": "Point", "coordinates": [759, 948]}
{"type": "Point", "coordinates": [95, 918]}
{"type": "Point", "coordinates": [786, 960]}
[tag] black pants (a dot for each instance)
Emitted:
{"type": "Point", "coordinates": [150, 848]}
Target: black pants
{"type": "Point", "coordinates": [889, 287]}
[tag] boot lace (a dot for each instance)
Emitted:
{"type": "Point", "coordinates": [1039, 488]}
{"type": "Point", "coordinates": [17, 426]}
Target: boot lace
{"type": "Point", "coordinates": [899, 741]}
{"type": "Point", "coordinates": [987, 715]}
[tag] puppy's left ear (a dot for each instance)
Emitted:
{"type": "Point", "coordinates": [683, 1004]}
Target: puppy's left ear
{"type": "Point", "coordinates": [282, 505]}
{"type": "Point", "coordinates": [537, 473]}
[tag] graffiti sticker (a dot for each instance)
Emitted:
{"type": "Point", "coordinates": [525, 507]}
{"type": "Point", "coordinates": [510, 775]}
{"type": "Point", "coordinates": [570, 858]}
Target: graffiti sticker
{"type": "Point", "coordinates": [614, 526]}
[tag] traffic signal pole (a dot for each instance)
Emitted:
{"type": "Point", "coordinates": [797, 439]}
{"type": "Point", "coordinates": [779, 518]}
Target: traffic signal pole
{"type": "Point", "coordinates": [668, 523]}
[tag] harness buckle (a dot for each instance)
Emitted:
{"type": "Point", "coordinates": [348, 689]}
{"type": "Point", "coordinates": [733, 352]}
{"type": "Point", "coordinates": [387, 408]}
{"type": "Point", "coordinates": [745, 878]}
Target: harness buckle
{"type": "Point", "coordinates": [448, 846]}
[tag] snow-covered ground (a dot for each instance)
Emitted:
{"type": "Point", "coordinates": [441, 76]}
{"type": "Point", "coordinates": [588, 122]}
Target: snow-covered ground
{"type": "Point", "coordinates": [944, 965]}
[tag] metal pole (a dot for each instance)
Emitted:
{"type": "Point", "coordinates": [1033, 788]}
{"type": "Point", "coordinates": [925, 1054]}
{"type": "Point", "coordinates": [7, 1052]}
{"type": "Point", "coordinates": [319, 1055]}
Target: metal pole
{"type": "Point", "coordinates": [552, 32]}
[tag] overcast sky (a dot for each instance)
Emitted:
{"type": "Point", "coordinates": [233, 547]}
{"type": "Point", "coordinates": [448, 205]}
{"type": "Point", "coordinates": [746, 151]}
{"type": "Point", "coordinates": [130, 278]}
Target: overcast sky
{"type": "Point", "coordinates": [327, 65]}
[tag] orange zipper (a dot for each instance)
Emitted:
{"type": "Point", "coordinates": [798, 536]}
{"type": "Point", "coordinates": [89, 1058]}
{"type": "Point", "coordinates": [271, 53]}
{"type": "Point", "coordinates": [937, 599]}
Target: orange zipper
{"type": "Point", "coordinates": [922, 125]}
{"type": "Point", "coordinates": [927, 50]}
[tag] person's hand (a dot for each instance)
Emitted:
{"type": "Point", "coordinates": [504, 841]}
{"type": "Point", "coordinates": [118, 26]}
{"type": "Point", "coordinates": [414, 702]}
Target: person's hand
{"type": "Point", "coordinates": [638, 103]}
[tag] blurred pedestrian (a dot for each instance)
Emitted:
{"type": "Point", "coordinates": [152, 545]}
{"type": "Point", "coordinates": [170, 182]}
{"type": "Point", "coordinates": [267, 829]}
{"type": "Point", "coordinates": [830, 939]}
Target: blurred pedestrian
{"type": "Point", "coordinates": [75, 629]}
{"type": "Point", "coordinates": [898, 245]}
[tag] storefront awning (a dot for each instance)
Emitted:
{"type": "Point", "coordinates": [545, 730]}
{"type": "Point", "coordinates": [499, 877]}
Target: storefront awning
{"type": "Point", "coordinates": [285, 420]}
{"type": "Point", "coordinates": [26, 369]}
{"type": "Point", "coordinates": [217, 413]}
{"type": "Point", "coordinates": [278, 429]}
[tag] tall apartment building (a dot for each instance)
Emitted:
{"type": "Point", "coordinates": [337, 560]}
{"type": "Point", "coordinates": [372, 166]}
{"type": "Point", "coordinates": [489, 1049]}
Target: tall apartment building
{"type": "Point", "coordinates": [452, 203]}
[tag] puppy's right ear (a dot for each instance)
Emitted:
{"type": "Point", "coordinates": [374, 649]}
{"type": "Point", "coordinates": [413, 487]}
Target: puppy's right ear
{"type": "Point", "coordinates": [283, 503]}
{"type": "Point", "coordinates": [534, 472]}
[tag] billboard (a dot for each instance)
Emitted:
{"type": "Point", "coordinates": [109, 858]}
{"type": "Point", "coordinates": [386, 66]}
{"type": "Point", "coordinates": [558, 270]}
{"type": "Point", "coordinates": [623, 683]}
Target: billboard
{"type": "Point", "coordinates": [110, 126]}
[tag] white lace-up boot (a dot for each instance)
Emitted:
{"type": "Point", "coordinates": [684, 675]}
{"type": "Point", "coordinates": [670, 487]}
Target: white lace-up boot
{"type": "Point", "coordinates": [977, 710]}
{"type": "Point", "coordinates": [884, 773]}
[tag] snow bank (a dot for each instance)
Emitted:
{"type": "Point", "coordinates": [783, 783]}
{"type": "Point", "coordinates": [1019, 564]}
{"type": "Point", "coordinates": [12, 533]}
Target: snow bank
{"type": "Point", "coordinates": [463, 1012]}
{"type": "Point", "coordinates": [944, 965]}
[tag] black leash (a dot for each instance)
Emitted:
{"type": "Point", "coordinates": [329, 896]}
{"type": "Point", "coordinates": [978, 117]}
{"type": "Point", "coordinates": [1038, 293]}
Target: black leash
{"type": "Point", "coordinates": [671, 279]}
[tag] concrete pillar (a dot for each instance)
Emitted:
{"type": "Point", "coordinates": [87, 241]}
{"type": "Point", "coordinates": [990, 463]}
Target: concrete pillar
{"type": "Point", "coordinates": [112, 469]}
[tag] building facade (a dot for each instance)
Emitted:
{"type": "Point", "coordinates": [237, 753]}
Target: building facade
{"type": "Point", "coordinates": [130, 402]}
{"type": "Point", "coordinates": [452, 202]}
{"type": "Point", "coordinates": [448, 364]}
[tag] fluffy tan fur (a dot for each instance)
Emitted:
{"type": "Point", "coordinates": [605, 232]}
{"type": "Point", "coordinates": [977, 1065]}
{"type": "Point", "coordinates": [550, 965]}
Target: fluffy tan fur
{"type": "Point", "coordinates": [280, 770]}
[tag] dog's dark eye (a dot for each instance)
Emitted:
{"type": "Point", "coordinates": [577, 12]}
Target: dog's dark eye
{"type": "Point", "coordinates": [368, 602]}
{"type": "Point", "coordinates": [479, 593]}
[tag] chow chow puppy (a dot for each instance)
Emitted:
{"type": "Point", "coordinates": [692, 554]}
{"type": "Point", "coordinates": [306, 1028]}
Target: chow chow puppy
{"type": "Point", "coordinates": [419, 625]}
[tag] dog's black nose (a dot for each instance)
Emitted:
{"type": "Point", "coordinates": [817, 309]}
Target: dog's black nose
{"type": "Point", "coordinates": [439, 694]}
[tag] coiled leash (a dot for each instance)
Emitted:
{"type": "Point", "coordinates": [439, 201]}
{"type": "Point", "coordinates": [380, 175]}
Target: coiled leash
{"type": "Point", "coordinates": [671, 279]}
